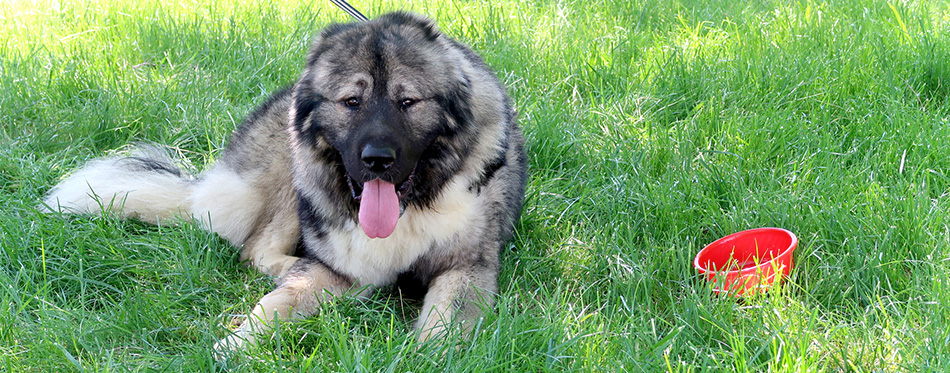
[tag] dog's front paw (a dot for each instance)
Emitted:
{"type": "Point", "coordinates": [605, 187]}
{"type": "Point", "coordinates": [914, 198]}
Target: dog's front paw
{"type": "Point", "coordinates": [232, 344]}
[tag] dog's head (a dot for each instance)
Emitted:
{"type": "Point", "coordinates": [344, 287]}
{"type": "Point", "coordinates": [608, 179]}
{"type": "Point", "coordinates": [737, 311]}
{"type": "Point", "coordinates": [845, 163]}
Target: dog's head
{"type": "Point", "coordinates": [387, 96]}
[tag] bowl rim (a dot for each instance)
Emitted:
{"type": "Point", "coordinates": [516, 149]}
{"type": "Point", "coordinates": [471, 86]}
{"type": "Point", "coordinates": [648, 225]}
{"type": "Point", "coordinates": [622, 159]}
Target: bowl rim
{"type": "Point", "coordinates": [793, 244]}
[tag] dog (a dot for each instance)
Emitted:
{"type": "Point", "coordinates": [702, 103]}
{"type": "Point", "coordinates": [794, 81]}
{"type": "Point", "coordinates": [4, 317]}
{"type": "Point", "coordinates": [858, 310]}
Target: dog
{"type": "Point", "coordinates": [396, 154]}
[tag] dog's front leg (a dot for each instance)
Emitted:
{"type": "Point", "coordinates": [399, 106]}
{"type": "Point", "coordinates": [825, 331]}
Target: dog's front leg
{"type": "Point", "coordinates": [271, 247]}
{"type": "Point", "coordinates": [456, 297]}
{"type": "Point", "coordinates": [299, 294]}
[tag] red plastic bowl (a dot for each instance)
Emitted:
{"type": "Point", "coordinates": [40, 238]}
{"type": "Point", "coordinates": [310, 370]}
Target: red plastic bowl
{"type": "Point", "coordinates": [747, 262]}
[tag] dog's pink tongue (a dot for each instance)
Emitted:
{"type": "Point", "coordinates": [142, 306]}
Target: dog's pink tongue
{"type": "Point", "coordinates": [379, 209]}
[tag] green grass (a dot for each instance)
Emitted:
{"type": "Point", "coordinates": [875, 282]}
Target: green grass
{"type": "Point", "coordinates": [654, 127]}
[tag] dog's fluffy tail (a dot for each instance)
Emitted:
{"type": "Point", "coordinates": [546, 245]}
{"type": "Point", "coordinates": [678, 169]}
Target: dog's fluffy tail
{"type": "Point", "coordinates": [145, 185]}
{"type": "Point", "coordinates": [148, 185]}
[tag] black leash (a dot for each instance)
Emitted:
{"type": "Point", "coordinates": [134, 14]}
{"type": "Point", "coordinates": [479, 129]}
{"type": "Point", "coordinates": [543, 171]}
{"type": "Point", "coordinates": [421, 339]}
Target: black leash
{"type": "Point", "coordinates": [349, 9]}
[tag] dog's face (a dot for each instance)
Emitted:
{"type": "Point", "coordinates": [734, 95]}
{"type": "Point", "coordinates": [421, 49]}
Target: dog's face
{"type": "Point", "coordinates": [385, 97]}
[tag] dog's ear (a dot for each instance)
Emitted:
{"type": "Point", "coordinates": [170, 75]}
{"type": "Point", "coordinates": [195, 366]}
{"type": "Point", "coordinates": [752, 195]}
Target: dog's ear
{"type": "Point", "coordinates": [421, 23]}
{"type": "Point", "coordinates": [304, 102]}
{"type": "Point", "coordinates": [305, 99]}
{"type": "Point", "coordinates": [457, 104]}
{"type": "Point", "coordinates": [318, 47]}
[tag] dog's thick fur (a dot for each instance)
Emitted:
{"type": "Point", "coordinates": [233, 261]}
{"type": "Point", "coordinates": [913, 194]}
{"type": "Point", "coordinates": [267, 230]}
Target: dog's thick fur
{"type": "Point", "coordinates": [389, 105]}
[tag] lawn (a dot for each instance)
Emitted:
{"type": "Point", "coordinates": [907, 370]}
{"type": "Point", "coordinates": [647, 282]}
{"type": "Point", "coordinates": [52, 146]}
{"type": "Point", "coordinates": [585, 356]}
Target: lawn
{"type": "Point", "coordinates": [654, 127]}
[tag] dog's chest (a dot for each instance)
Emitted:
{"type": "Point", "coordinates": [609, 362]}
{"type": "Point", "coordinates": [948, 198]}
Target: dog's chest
{"type": "Point", "coordinates": [445, 224]}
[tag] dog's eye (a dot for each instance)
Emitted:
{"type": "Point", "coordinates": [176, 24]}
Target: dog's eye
{"type": "Point", "coordinates": [352, 102]}
{"type": "Point", "coordinates": [407, 102]}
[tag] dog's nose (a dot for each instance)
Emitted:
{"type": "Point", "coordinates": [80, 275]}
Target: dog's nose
{"type": "Point", "coordinates": [378, 159]}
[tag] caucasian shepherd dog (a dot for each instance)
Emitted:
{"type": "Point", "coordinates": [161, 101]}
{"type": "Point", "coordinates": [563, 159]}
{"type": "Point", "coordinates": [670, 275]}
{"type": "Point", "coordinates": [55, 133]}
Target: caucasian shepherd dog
{"type": "Point", "coordinates": [395, 155]}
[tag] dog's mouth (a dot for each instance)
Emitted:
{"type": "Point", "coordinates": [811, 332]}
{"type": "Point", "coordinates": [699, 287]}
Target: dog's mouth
{"type": "Point", "coordinates": [356, 188]}
{"type": "Point", "coordinates": [379, 204]}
